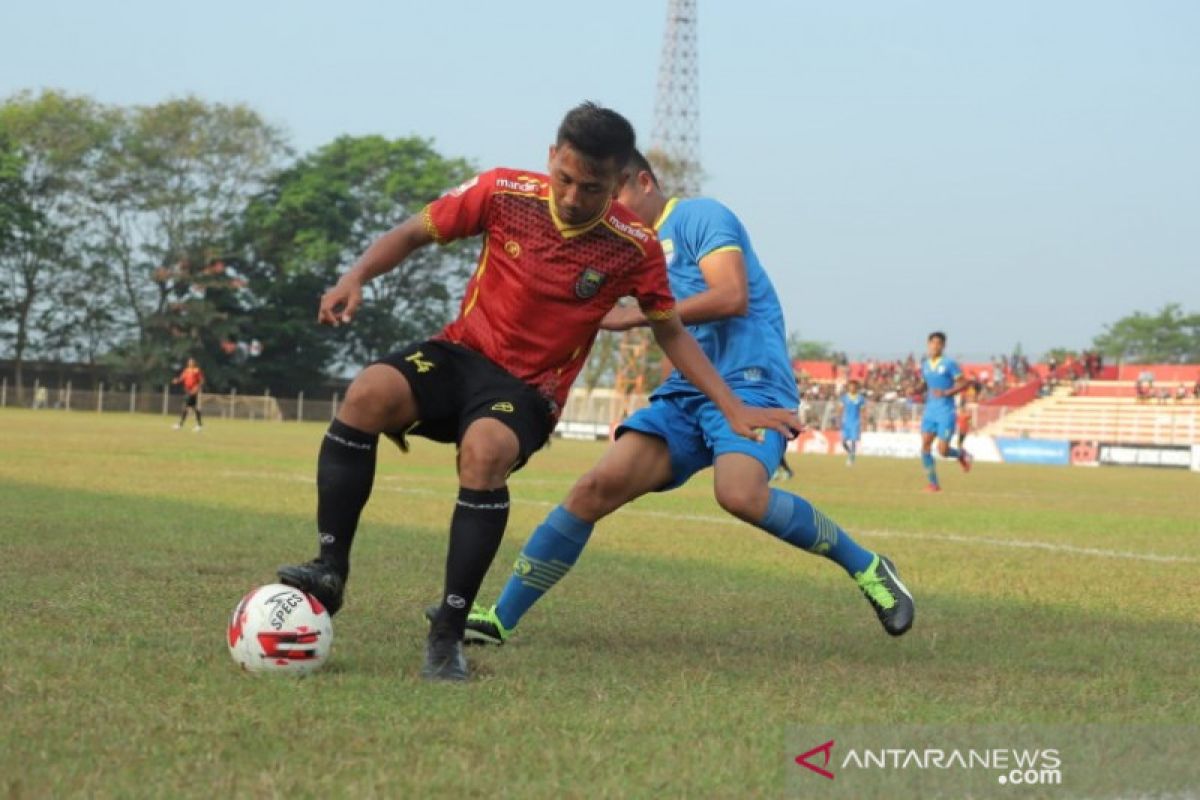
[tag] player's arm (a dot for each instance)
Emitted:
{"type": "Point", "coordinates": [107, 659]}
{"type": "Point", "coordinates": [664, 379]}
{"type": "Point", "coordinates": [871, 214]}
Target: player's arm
{"type": "Point", "coordinates": [385, 254]}
{"type": "Point", "coordinates": [459, 213]}
{"type": "Point", "coordinates": [960, 385]}
{"type": "Point", "coordinates": [727, 295]}
{"type": "Point", "coordinates": [689, 359]}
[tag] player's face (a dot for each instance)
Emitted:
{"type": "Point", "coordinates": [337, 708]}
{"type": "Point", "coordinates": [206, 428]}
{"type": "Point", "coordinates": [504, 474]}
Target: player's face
{"type": "Point", "coordinates": [934, 347]}
{"type": "Point", "coordinates": [581, 187]}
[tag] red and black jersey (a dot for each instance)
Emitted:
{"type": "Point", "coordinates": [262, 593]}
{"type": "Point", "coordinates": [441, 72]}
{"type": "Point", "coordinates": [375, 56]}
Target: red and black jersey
{"type": "Point", "coordinates": [191, 378]}
{"type": "Point", "coordinates": [536, 299]}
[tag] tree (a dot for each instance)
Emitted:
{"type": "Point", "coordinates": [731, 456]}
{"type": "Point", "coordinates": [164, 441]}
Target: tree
{"type": "Point", "coordinates": [800, 349]}
{"type": "Point", "coordinates": [51, 143]}
{"type": "Point", "coordinates": [1060, 354]}
{"type": "Point", "coordinates": [166, 196]}
{"type": "Point", "coordinates": [313, 219]}
{"type": "Point", "coordinates": [1171, 336]}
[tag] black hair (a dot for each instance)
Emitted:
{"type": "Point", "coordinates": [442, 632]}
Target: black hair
{"type": "Point", "coordinates": [598, 133]}
{"type": "Point", "coordinates": [639, 163]}
{"type": "Point", "coordinates": [938, 335]}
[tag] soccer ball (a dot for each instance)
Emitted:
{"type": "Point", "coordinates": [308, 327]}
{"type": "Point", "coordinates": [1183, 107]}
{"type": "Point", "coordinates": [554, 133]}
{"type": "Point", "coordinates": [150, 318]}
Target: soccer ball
{"type": "Point", "coordinates": [280, 630]}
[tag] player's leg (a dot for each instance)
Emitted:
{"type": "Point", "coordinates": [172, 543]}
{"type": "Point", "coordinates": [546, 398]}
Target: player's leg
{"type": "Point", "coordinates": [196, 410]}
{"type": "Point", "coordinates": [182, 415]}
{"type": "Point", "coordinates": [741, 487]}
{"type": "Point", "coordinates": [928, 433]}
{"type": "Point", "coordinates": [945, 433]}
{"type": "Point", "coordinates": [379, 399]}
{"type": "Point", "coordinates": [504, 421]}
{"type": "Point", "coordinates": [657, 448]}
{"type": "Point", "coordinates": [635, 464]}
{"type": "Point", "coordinates": [488, 451]}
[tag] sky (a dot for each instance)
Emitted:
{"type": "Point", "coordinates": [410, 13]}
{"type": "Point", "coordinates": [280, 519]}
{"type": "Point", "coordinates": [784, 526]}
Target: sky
{"type": "Point", "coordinates": [1024, 171]}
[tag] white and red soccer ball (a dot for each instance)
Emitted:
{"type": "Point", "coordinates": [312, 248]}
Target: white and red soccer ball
{"type": "Point", "coordinates": [280, 630]}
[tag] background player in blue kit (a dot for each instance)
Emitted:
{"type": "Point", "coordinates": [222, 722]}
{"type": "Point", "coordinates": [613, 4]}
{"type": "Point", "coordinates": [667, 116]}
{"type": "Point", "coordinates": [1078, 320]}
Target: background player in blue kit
{"type": "Point", "coordinates": [852, 405]}
{"type": "Point", "coordinates": [729, 305]}
{"type": "Point", "coordinates": [943, 379]}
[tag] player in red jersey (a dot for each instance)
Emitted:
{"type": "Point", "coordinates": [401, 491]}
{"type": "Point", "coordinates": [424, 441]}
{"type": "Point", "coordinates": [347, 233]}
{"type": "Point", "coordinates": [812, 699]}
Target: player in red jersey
{"type": "Point", "coordinates": [557, 254]}
{"type": "Point", "coordinates": [192, 379]}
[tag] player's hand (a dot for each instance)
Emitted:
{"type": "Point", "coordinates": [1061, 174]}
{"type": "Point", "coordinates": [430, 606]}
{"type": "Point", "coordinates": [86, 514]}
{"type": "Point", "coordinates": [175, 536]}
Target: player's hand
{"type": "Point", "coordinates": [751, 422]}
{"type": "Point", "coordinates": [622, 318]}
{"type": "Point", "coordinates": [339, 304]}
{"type": "Point", "coordinates": [937, 392]}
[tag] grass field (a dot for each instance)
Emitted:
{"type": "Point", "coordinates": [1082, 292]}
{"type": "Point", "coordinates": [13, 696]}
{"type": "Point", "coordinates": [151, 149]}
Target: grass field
{"type": "Point", "coordinates": [670, 663]}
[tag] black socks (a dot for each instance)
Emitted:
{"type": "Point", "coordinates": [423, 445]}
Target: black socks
{"type": "Point", "coordinates": [476, 529]}
{"type": "Point", "coordinates": [345, 474]}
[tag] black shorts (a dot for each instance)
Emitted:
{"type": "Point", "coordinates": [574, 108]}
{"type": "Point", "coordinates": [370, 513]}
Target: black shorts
{"type": "Point", "coordinates": [190, 402]}
{"type": "Point", "coordinates": [454, 386]}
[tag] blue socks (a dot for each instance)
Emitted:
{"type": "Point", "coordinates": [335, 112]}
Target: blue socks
{"type": "Point", "coordinates": [553, 549]}
{"type": "Point", "coordinates": [928, 463]}
{"type": "Point", "coordinates": [794, 520]}
{"type": "Point", "coordinates": [930, 468]}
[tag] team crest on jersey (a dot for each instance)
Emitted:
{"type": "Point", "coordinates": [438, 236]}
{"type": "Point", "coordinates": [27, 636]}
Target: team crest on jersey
{"type": "Point", "coordinates": [589, 283]}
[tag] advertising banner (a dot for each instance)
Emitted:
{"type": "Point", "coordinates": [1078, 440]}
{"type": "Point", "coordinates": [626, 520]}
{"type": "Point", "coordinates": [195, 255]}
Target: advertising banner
{"type": "Point", "coordinates": [1085, 454]}
{"type": "Point", "coordinates": [816, 442]}
{"type": "Point", "coordinates": [1034, 451]}
{"type": "Point", "coordinates": [1146, 455]}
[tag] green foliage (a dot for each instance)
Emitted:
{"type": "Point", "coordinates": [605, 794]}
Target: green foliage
{"type": "Point", "coordinates": [139, 236]}
{"type": "Point", "coordinates": [802, 349]}
{"type": "Point", "coordinates": [1171, 336]}
{"type": "Point", "coordinates": [1060, 354]}
{"type": "Point", "coordinates": [50, 144]}
{"type": "Point", "coordinates": [312, 220]}
{"type": "Point", "coordinates": [167, 196]}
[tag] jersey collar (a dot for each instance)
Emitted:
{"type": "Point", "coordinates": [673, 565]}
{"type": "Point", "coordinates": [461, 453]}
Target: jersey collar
{"type": "Point", "coordinates": [568, 231]}
{"type": "Point", "coordinates": [666, 212]}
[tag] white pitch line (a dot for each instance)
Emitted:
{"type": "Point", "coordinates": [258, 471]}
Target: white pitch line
{"type": "Point", "coordinates": [1020, 544]}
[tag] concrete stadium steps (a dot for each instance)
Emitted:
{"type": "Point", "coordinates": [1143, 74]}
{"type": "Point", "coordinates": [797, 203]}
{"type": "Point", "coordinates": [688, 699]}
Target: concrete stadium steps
{"type": "Point", "coordinates": [1116, 419]}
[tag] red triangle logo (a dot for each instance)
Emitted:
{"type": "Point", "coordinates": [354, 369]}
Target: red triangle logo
{"type": "Point", "coordinates": [827, 749]}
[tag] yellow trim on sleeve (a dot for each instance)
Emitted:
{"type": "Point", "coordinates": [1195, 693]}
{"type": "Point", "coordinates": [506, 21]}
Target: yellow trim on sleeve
{"type": "Point", "coordinates": [726, 248]}
{"type": "Point", "coordinates": [430, 226]}
{"type": "Point", "coordinates": [660, 315]}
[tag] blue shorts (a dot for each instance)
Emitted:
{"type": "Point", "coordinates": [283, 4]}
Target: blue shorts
{"type": "Point", "coordinates": [850, 434]}
{"type": "Point", "coordinates": [696, 432]}
{"type": "Point", "coordinates": [939, 423]}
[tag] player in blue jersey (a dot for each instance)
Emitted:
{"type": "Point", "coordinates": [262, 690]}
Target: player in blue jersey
{"type": "Point", "coordinates": [942, 381]}
{"type": "Point", "coordinates": [729, 305]}
{"type": "Point", "coordinates": [852, 405]}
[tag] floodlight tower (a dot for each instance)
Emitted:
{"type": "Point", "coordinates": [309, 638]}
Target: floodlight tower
{"type": "Point", "coordinates": [676, 137]}
{"type": "Point", "coordinates": [675, 152]}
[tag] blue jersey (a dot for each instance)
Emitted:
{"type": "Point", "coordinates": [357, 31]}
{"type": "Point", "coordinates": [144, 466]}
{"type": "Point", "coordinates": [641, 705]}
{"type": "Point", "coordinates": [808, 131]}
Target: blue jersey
{"type": "Point", "coordinates": [852, 406]}
{"type": "Point", "coordinates": [750, 351]}
{"type": "Point", "coordinates": [939, 375]}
